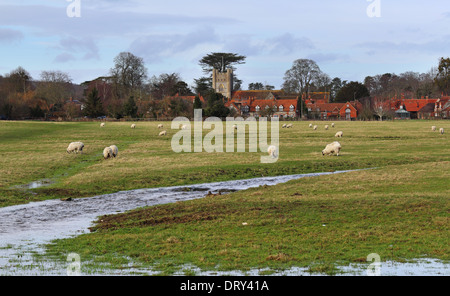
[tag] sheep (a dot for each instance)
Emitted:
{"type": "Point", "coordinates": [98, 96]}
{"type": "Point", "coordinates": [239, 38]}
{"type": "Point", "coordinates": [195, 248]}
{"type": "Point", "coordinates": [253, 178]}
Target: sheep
{"type": "Point", "coordinates": [433, 128]}
{"type": "Point", "coordinates": [284, 125]}
{"type": "Point", "coordinates": [289, 125]}
{"type": "Point", "coordinates": [107, 153]}
{"type": "Point", "coordinates": [160, 126]}
{"type": "Point", "coordinates": [273, 151]}
{"type": "Point", "coordinates": [163, 133]}
{"type": "Point", "coordinates": [339, 134]}
{"type": "Point", "coordinates": [75, 147]}
{"type": "Point", "coordinates": [332, 124]}
{"type": "Point", "coordinates": [315, 127]}
{"type": "Point", "coordinates": [234, 126]}
{"type": "Point", "coordinates": [334, 147]}
{"type": "Point", "coordinates": [183, 126]}
{"type": "Point", "coordinates": [310, 125]}
{"type": "Point", "coordinates": [441, 130]}
{"type": "Point", "coordinates": [102, 124]}
{"type": "Point", "coordinates": [326, 127]}
{"type": "Point", "coordinates": [115, 150]}
{"type": "Point", "coordinates": [133, 125]}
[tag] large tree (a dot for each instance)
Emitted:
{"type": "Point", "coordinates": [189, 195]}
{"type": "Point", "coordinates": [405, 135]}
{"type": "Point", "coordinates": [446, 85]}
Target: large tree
{"type": "Point", "coordinates": [352, 91]}
{"type": "Point", "coordinates": [128, 74]}
{"type": "Point", "coordinates": [300, 77]}
{"type": "Point", "coordinates": [442, 79]}
{"type": "Point", "coordinates": [93, 106]}
{"type": "Point", "coordinates": [220, 61]}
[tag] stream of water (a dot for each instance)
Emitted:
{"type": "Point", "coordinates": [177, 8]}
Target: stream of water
{"type": "Point", "coordinates": [24, 229]}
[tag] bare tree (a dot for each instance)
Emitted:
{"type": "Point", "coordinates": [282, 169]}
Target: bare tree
{"type": "Point", "coordinates": [128, 74]}
{"type": "Point", "coordinates": [380, 107]}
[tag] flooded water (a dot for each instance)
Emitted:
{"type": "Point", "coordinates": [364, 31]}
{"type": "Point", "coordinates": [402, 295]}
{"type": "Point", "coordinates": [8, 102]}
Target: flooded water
{"type": "Point", "coordinates": [24, 229]}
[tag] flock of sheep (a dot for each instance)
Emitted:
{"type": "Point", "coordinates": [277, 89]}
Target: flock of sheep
{"type": "Point", "coordinates": [441, 130]}
{"type": "Point", "coordinates": [330, 149]}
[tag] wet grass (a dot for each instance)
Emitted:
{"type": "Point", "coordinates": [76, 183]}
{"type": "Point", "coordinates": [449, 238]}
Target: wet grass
{"type": "Point", "coordinates": [399, 211]}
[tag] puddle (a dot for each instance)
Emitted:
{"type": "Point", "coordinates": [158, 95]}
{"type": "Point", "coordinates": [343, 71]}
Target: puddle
{"type": "Point", "coordinates": [36, 184]}
{"type": "Point", "coordinates": [25, 228]}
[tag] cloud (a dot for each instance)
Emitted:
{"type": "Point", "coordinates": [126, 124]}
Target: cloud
{"type": "Point", "coordinates": [10, 35]}
{"type": "Point", "coordinates": [328, 57]}
{"type": "Point", "coordinates": [80, 45]}
{"type": "Point", "coordinates": [156, 47]}
{"type": "Point", "coordinates": [438, 46]}
{"type": "Point", "coordinates": [287, 43]}
{"type": "Point", "coordinates": [64, 58]}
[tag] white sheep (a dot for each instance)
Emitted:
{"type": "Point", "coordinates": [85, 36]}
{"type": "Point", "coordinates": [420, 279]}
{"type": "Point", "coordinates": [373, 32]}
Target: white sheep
{"type": "Point", "coordinates": [273, 151]}
{"type": "Point", "coordinates": [234, 126]}
{"type": "Point", "coordinates": [441, 130]}
{"type": "Point", "coordinates": [334, 147]}
{"type": "Point", "coordinates": [115, 150]}
{"type": "Point", "coordinates": [339, 134]}
{"type": "Point", "coordinates": [160, 126]}
{"type": "Point", "coordinates": [163, 133]}
{"type": "Point", "coordinates": [332, 124]}
{"type": "Point", "coordinates": [183, 126]}
{"type": "Point", "coordinates": [433, 128]}
{"type": "Point", "coordinates": [102, 124]}
{"type": "Point", "coordinates": [315, 127]}
{"type": "Point", "coordinates": [75, 147]}
{"type": "Point", "coordinates": [107, 153]}
{"type": "Point", "coordinates": [326, 127]}
{"type": "Point", "coordinates": [289, 125]}
{"type": "Point", "coordinates": [133, 125]}
{"type": "Point", "coordinates": [284, 125]}
{"type": "Point", "coordinates": [310, 125]}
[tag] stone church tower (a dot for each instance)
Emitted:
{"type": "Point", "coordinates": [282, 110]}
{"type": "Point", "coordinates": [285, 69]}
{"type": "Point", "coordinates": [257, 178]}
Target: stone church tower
{"type": "Point", "coordinates": [222, 82]}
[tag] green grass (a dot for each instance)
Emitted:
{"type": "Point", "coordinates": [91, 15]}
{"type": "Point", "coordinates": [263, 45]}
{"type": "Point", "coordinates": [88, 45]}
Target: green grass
{"type": "Point", "coordinates": [399, 210]}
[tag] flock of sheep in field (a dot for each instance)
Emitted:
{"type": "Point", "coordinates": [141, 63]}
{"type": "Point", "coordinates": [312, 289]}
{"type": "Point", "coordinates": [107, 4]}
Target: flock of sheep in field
{"type": "Point", "coordinates": [330, 149]}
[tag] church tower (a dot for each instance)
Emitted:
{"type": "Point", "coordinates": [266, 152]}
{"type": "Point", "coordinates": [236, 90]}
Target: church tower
{"type": "Point", "coordinates": [222, 82]}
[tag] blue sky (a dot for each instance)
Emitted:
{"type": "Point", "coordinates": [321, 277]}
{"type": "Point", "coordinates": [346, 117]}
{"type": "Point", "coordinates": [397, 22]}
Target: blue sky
{"type": "Point", "coordinates": [172, 35]}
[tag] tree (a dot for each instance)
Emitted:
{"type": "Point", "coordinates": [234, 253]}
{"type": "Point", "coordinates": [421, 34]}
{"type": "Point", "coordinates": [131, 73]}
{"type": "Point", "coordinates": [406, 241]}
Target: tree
{"type": "Point", "coordinates": [130, 108]}
{"type": "Point", "coordinates": [129, 74]}
{"type": "Point", "coordinates": [168, 85]}
{"type": "Point", "coordinates": [215, 105]}
{"type": "Point", "coordinates": [299, 78]}
{"type": "Point", "coordinates": [93, 106]}
{"type": "Point", "coordinates": [203, 85]}
{"type": "Point", "coordinates": [220, 61]}
{"type": "Point", "coordinates": [442, 79]}
{"type": "Point", "coordinates": [197, 103]}
{"type": "Point", "coordinates": [19, 80]}
{"type": "Point", "coordinates": [380, 107]}
{"type": "Point", "coordinates": [352, 91]}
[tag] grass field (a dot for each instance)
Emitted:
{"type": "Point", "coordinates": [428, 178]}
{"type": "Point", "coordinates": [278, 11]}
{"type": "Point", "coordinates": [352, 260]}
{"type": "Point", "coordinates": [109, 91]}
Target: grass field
{"type": "Point", "coordinates": [400, 210]}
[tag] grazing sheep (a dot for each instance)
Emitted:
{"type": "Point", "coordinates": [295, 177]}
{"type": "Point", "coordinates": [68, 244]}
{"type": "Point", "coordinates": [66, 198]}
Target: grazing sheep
{"type": "Point", "coordinates": [234, 126]}
{"type": "Point", "coordinates": [183, 126]}
{"type": "Point", "coordinates": [289, 125]}
{"type": "Point", "coordinates": [339, 134]}
{"type": "Point", "coordinates": [160, 126]}
{"type": "Point", "coordinates": [441, 130]}
{"type": "Point", "coordinates": [334, 147]}
{"type": "Point", "coordinates": [107, 153]}
{"type": "Point", "coordinates": [115, 150]}
{"type": "Point", "coordinates": [133, 125]}
{"type": "Point", "coordinates": [102, 124]}
{"type": "Point", "coordinates": [75, 147]}
{"type": "Point", "coordinates": [273, 151]}
{"type": "Point", "coordinates": [284, 125]}
{"type": "Point", "coordinates": [163, 133]}
{"type": "Point", "coordinates": [315, 127]}
{"type": "Point", "coordinates": [433, 128]}
{"type": "Point", "coordinates": [310, 125]}
{"type": "Point", "coordinates": [332, 125]}
{"type": "Point", "coordinates": [326, 127]}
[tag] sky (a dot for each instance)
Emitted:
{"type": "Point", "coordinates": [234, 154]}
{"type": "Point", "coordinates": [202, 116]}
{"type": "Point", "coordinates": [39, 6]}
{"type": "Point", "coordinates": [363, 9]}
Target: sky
{"type": "Point", "coordinates": [349, 39]}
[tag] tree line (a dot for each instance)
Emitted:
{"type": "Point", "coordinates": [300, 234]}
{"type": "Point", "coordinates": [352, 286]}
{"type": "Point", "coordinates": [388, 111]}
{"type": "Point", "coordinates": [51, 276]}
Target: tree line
{"type": "Point", "coordinates": [128, 91]}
